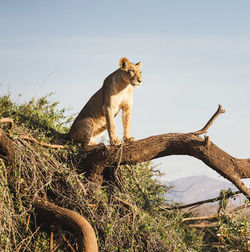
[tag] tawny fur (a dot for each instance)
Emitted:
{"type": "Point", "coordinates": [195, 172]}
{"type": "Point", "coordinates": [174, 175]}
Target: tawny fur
{"type": "Point", "coordinates": [98, 114]}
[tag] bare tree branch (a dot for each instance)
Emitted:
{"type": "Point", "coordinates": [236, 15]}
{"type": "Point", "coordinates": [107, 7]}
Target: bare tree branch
{"type": "Point", "coordinates": [204, 225]}
{"type": "Point", "coordinates": [210, 122]}
{"type": "Point", "coordinates": [32, 139]}
{"type": "Point", "coordinates": [153, 147]}
{"type": "Point", "coordinates": [200, 218]}
{"type": "Point", "coordinates": [198, 203]}
{"type": "Point", "coordinates": [71, 221]}
{"type": "Point", "coordinates": [97, 162]}
{"type": "Point", "coordinates": [211, 217]}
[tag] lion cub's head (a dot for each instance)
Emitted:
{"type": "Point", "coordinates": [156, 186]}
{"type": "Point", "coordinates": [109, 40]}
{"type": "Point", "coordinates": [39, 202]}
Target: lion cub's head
{"type": "Point", "coordinates": [131, 72]}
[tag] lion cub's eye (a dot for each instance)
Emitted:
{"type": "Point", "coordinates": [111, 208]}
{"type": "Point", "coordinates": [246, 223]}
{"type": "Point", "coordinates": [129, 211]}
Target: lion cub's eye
{"type": "Point", "coordinates": [132, 72]}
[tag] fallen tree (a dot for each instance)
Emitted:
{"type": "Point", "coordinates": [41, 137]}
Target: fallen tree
{"type": "Point", "coordinates": [101, 164]}
{"type": "Point", "coordinates": [98, 162]}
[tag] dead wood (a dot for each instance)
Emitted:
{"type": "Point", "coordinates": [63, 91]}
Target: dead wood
{"type": "Point", "coordinates": [32, 139]}
{"type": "Point", "coordinates": [206, 219]}
{"type": "Point", "coordinates": [68, 220]}
{"type": "Point", "coordinates": [101, 162]}
{"type": "Point", "coordinates": [204, 225]}
{"type": "Point", "coordinates": [211, 121]}
{"type": "Point", "coordinates": [6, 146]}
{"type": "Point", "coordinates": [200, 218]}
{"type": "Point", "coordinates": [198, 203]}
{"type": "Point", "coordinates": [7, 120]}
{"type": "Point", "coordinates": [96, 162]}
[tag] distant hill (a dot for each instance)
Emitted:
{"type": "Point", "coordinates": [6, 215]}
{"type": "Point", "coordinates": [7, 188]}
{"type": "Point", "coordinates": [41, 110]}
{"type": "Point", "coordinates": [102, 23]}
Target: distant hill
{"type": "Point", "coordinates": [196, 188]}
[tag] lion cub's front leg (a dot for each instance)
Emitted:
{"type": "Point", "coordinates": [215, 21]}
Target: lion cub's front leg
{"type": "Point", "coordinates": [110, 116]}
{"type": "Point", "coordinates": [126, 121]}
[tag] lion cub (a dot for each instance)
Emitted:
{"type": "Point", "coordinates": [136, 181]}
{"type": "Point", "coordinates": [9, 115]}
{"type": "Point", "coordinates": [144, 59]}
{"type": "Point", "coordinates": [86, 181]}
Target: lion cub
{"type": "Point", "coordinates": [98, 114]}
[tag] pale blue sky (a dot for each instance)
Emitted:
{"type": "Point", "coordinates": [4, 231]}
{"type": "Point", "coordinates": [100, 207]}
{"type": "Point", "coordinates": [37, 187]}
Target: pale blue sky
{"type": "Point", "coordinates": [195, 55]}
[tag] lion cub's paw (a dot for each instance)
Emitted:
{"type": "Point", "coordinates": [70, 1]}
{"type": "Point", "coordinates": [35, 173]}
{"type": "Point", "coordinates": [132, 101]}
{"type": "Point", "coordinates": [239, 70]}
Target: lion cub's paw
{"type": "Point", "coordinates": [128, 139]}
{"type": "Point", "coordinates": [115, 141]}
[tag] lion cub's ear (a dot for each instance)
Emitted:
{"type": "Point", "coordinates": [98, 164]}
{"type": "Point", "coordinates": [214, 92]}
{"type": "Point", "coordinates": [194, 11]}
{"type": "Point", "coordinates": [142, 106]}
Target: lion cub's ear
{"type": "Point", "coordinates": [124, 64]}
{"type": "Point", "coordinates": [139, 64]}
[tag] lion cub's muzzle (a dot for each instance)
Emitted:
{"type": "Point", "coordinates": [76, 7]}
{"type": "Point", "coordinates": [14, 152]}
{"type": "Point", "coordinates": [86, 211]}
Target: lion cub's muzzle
{"type": "Point", "coordinates": [137, 84]}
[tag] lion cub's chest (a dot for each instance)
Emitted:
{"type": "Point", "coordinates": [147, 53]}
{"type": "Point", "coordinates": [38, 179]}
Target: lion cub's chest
{"type": "Point", "coordinates": [122, 99]}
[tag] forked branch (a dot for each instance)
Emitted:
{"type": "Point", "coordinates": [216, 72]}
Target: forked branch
{"type": "Point", "coordinates": [153, 147]}
{"type": "Point", "coordinates": [97, 162]}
